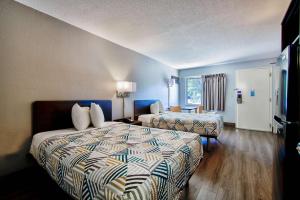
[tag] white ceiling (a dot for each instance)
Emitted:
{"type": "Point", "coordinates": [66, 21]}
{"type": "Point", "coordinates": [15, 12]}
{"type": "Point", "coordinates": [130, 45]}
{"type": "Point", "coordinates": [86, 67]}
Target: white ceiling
{"type": "Point", "coordinates": [179, 33]}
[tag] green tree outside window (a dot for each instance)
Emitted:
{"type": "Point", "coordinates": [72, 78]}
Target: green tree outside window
{"type": "Point", "coordinates": [193, 91]}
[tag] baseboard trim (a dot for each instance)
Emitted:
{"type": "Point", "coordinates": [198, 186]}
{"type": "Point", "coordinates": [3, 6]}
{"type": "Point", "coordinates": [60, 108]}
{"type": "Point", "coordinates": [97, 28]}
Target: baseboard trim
{"type": "Point", "coordinates": [230, 124]}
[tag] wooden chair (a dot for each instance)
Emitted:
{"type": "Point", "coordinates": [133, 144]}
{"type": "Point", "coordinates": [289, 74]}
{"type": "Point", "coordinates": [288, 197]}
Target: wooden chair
{"type": "Point", "coordinates": [175, 109]}
{"type": "Point", "coordinates": [200, 109]}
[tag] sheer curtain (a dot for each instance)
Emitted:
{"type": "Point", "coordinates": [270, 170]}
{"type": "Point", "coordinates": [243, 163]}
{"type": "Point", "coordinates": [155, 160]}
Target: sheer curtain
{"type": "Point", "coordinates": [214, 92]}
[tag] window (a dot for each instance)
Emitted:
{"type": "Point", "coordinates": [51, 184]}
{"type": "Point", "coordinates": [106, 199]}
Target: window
{"type": "Point", "coordinates": [193, 92]}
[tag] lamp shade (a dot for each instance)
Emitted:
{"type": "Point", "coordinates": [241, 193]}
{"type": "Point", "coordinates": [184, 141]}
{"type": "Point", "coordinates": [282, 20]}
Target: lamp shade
{"type": "Point", "coordinates": [126, 86]}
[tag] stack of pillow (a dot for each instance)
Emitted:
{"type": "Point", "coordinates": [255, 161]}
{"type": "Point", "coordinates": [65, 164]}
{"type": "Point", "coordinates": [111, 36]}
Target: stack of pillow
{"type": "Point", "coordinates": [156, 108]}
{"type": "Point", "coordinates": [83, 116]}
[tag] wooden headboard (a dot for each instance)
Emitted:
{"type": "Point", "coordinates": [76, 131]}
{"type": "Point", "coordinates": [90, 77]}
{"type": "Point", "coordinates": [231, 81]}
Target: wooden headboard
{"type": "Point", "coordinates": [53, 115]}
{"type": "Point", "coordinates": [142, 107]}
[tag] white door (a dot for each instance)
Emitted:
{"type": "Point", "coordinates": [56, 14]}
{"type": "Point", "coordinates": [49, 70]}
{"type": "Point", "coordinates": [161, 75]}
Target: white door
{"type": "Point", "coordinates": [255, 110]}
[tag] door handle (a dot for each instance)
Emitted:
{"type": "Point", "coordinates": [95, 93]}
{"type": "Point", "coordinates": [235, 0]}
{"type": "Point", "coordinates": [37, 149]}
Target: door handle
{"type": "Point", "coordinates": [281, 121]}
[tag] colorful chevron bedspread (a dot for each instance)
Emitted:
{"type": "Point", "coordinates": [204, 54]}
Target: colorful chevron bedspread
{"type": "Point", "coordinates": [121, 161]}
{"type": "Point", "coordinates": [203, 124]}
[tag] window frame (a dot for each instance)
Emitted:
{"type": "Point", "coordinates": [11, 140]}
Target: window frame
{"type": "Point", "coordinates": [186, 89]}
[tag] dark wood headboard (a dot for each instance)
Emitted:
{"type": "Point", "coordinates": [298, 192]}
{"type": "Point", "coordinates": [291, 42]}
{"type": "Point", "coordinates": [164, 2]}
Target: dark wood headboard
{"type": "Point", "coordinates": [53, 115]}
{"type": "Point", "coordinates": [142, 107]}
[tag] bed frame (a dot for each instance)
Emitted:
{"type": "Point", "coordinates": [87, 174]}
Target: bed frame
{"type": "Point", "coordinates": [53, 115]}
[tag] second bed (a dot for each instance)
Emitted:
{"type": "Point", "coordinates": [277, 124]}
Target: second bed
{"type": "Point", "coordinates": [205, 124]}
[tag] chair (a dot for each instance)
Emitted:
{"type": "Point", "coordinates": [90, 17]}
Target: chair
{"type": "Point", "coordinates": [175, 109]}
{"type": "Point", "coordinates": [200, 109]}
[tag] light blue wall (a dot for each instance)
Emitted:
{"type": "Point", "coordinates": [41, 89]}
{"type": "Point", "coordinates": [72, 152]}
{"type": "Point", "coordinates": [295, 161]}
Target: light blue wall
{"type": "Point", "coordinates": [151, 79]}
{"type": "Point", "coordinates": [229, 69]}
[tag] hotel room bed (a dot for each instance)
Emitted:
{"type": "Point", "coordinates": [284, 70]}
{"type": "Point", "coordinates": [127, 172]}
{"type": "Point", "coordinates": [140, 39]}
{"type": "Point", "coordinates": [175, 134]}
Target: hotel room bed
{"type": "Point", "coordinates": [119, 161]}
{"type": "Point", "coordinates": [205, 124]}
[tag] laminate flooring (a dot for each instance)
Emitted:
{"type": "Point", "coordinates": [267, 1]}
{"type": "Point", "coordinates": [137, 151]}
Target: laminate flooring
{"type": "Point", "coordinates": [240, 168]}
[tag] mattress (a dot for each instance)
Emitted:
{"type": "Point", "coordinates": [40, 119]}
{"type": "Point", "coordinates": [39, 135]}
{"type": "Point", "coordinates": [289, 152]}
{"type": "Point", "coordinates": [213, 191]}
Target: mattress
{"type": "Point", "coordinates": [205, 124]}
{"type": "Point", "coordinates": [119, 161]}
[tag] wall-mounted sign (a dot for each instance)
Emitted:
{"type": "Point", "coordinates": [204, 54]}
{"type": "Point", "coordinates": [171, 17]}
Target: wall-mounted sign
{"type": "Point", "coordinates": [252, 93]}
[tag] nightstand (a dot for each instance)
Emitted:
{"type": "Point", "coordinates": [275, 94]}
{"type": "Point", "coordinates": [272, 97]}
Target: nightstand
{"type": "Point", "coordinates": [129, 121]}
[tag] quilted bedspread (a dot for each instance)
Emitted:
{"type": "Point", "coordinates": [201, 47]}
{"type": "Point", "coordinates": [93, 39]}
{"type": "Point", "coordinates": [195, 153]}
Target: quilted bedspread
{"type": "Point", "coordinates": [121, 161]}
{"type": "Point", "coordinates": [203, 124]}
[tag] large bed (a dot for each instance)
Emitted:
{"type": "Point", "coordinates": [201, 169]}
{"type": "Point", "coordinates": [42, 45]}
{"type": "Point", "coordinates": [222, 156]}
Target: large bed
{"type": "Point", "coordinates": [205, 124]}
{"type": "Point", "coordinates": [117, 161]}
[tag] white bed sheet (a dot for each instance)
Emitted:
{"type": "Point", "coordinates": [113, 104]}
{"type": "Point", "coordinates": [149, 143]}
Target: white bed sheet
{"type": "Point", "coordinates": [146, 118]}
{"type": "Point", "coordinates": [40, 137]}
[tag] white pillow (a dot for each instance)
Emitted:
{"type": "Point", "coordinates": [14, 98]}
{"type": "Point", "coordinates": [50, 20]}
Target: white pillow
{"type": "Point", "coordinates": [154, 108]}
{"type": "Point", "coordinates": [161, 107]}
{"type": "Point", "coordinates": [97, 115]}
{"type": "Point", "coordinates": [80, 117]}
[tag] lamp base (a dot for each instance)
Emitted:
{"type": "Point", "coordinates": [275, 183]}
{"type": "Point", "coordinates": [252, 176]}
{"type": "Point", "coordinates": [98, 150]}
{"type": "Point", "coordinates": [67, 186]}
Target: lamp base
{"type": "Point", "coordinates": [122, 94]}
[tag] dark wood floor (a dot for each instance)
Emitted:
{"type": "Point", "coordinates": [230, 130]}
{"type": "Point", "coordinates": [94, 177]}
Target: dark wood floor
{"type": "Point", "coordinates": [239, 168]}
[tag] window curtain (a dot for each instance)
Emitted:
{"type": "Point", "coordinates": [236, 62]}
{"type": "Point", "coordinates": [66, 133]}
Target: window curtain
{"type": "Point", "coordinates": [214, 92]}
